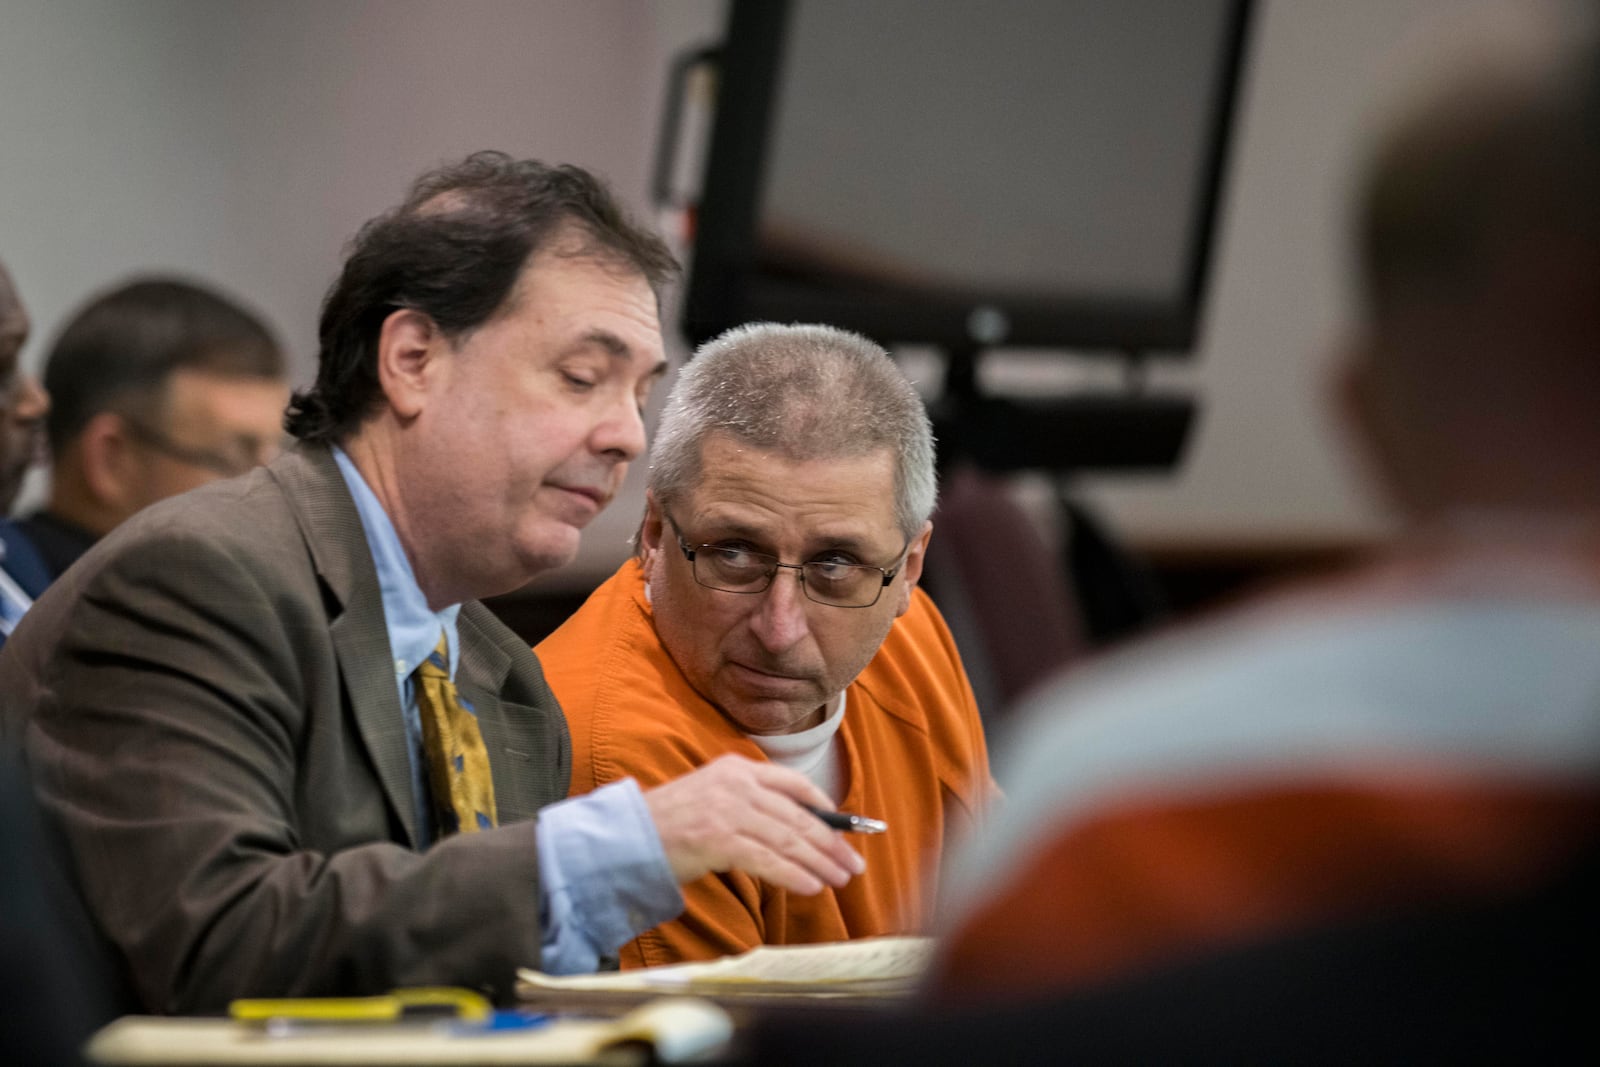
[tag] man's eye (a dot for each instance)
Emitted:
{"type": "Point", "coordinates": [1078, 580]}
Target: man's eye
{"type": "Point", "coordinates": [833, 567]}
{"type": "Point", "coordinates": [736, 558]}
{"type": "Point", "coordinates": [578, 381]}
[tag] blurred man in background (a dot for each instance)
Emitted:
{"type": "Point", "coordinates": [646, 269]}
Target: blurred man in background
{"type": "Point", "coordinates": [159, 386]}
{"type": "Point", "coordinates": [23, 404]}
{"type": "Point", "coordinates": [49, 999]}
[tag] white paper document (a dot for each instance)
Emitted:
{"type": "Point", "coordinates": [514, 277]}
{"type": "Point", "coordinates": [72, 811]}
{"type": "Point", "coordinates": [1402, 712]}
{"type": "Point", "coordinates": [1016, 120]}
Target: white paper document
{"type": "Point", "coordinates": [868, 965]}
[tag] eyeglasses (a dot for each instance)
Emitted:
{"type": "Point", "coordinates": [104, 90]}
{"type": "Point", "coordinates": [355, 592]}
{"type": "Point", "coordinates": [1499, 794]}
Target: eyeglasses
{"type": "Point", "coordinates": [739, 570]}
{"type": "Point", "coordinates": [226, 461]}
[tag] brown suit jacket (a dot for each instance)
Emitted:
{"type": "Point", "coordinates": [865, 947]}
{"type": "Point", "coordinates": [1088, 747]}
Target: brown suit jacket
{"type": "Point", "coordinates": [209, 710]}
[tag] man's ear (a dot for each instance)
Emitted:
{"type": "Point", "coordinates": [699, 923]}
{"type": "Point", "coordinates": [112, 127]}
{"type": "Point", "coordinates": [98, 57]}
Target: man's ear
{"type": "Point", "coordinates": [1364, 418]}
{"type": "Point", "coordinates": [651, 532]}
{"type": "Point", "coordinates": [107, 454]}
{"type": "Point", "coordinates": [409, 346]}
{"type": "Point", "coordinates": [911, 572]}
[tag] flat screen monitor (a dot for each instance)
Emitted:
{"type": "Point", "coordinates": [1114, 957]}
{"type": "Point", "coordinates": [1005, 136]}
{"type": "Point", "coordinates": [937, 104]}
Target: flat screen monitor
{"type": "Point", "coordinates": [969, 173]}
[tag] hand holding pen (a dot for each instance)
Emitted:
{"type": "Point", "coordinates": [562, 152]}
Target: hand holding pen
{"type": "Point", "coordinates": [736, 813]}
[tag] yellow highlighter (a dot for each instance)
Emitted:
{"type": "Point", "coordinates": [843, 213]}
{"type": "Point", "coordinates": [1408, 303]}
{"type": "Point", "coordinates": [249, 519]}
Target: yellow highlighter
{"type": "Point", "coordinates": [452, 1002]}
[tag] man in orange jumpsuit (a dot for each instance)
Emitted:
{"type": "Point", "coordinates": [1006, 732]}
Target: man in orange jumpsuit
{"type": "Point", "coordinates": [772, 612]}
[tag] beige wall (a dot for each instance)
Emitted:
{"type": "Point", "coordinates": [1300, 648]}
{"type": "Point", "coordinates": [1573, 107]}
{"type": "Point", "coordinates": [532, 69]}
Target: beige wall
{"type": "Point", "coordinates": [1268, 461]}
{"type": "Point", "coordinates": [246, 141]}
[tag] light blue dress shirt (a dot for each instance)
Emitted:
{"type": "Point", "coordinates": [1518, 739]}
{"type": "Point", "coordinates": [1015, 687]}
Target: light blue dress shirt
{"type": "Point", "coordinates": [603, 875]}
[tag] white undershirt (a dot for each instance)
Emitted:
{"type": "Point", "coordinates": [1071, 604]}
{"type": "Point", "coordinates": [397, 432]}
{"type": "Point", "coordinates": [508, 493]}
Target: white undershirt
{"type": "Point", "coordinates": [811, 752]}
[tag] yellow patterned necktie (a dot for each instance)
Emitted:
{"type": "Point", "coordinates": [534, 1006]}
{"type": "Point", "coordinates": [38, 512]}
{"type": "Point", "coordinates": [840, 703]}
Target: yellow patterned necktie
{"type": "Point", "coordinates": [458, 761]}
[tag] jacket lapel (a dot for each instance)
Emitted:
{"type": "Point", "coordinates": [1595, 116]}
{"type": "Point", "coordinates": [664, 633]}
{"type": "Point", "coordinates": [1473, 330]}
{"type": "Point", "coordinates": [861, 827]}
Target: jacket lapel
{"type": "Point", "coordinates": [508, 728]}
{"type": "Point", "coordinates": [338, 546]}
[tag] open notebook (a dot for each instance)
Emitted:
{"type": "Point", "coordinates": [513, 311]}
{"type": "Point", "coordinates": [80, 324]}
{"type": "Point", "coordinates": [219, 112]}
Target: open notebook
{"type": "Point", "coordinates": [677, 1030]}
{"type": "Point", "coordinates": [869, 966]}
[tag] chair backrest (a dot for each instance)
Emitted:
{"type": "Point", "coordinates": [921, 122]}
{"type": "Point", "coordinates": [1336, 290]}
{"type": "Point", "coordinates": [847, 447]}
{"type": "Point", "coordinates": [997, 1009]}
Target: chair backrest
{"type": "Point", "coordinates": [1009, 602]}
{"type": "Point", "coordinates": [1019, 609]}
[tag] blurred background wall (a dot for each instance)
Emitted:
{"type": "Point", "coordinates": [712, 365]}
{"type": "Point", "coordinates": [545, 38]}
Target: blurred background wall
{"type": "Point", "coordinates": [245, 142]}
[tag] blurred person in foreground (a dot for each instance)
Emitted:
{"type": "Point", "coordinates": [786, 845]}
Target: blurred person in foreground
{"type": "Point", "coordinates": [773, 611]}
{"type": "Point", "coordinates": [23, 404]}
{"type": "Point", "coordinates": [156, 386]}
{"type": "Point", "coordinates": [1416, 736]}
{"type": "Point", "coordinates": [286, 749]}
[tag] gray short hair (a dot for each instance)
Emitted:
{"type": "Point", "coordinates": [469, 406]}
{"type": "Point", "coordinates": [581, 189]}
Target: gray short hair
{"type": "Point", "coordinates": [803, 392]}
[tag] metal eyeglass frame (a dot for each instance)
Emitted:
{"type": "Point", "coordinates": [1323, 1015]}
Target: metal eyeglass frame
{"type": "Point", "coordinates": [772, 572]}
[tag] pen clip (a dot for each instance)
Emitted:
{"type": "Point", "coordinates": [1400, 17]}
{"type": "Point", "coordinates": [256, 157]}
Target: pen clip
{"type": "Point", "coordinates": [861, 824]}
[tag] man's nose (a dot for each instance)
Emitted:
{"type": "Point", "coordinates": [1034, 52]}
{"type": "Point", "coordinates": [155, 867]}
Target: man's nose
{"type": "Point", "coordinates": [30, 402]}
{"type": "Point", "coordinates": [621, 432]}
{"type": "Point", "coordinates": [780, 620]}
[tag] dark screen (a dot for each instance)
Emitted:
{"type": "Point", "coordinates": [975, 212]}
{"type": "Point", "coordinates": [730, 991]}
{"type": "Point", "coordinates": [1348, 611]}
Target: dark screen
{"type": "Point", "coordinates": [922, 164]}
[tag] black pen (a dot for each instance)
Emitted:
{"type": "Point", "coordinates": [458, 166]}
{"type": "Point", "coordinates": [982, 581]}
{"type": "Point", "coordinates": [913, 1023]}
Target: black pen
{"type": "Point", "coordinates": [848, 822]}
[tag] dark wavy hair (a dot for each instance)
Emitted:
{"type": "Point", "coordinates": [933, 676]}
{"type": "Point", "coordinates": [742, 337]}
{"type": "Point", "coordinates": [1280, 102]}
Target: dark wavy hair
{"type": "Point", "coordinates": [454, 250]}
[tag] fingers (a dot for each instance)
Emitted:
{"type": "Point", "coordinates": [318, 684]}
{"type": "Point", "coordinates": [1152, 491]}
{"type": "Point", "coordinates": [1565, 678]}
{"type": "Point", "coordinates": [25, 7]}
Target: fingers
{"type": "Point", "coordinates": [786, 834]}
{"type": "Point", "coordinates": [736, 813]}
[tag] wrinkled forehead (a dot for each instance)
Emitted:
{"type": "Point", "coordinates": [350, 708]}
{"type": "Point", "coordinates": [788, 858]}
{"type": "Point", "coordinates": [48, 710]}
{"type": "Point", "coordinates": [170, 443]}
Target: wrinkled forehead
{"type": "Point", "coordinates": [845, 488]}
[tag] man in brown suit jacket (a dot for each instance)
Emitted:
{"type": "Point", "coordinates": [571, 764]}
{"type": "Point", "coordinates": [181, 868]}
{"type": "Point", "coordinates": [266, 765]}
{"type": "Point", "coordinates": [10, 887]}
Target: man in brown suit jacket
{"type": "Point", "coordinates": [218, 706]}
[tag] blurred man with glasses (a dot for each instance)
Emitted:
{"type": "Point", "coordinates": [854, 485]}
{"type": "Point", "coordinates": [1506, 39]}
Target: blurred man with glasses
{"type": "Point", "coordinates": [772, 612]}
{"type": "Point", "coordinates": [159, 386]}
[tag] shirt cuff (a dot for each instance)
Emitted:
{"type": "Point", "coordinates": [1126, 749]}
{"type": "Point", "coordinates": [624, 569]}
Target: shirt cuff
{"type": "Point", "coordinates": [603, 874]}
